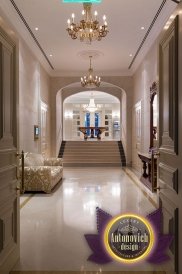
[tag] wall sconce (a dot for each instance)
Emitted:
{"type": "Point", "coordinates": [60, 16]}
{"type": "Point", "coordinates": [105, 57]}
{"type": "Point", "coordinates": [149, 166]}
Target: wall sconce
{"type": "Point", "coordinates": [36, 132]}
{"type": "Point", "coordinates": [68, 114]}
{"type": "Point", "coordinates": [115, 114]}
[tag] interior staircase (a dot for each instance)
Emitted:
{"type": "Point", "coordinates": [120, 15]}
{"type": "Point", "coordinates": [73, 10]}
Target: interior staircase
{"type": "Point", "coordinates": [92, 153]}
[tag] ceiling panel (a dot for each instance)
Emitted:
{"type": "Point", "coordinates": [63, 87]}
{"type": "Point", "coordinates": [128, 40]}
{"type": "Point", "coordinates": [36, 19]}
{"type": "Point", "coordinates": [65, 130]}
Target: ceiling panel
{"type": "Point", "coordinates": [125, 19]}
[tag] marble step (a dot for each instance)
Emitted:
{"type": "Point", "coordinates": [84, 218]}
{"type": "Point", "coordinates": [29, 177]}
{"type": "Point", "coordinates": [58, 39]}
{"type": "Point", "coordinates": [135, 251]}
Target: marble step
{"type": "Point", "coordinates": [90, 164]}
{"type": "Point", "coordinates": [91, 153]}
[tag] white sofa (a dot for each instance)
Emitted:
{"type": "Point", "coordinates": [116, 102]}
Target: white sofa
{"type": "Point", "coordinates": [41, 174]}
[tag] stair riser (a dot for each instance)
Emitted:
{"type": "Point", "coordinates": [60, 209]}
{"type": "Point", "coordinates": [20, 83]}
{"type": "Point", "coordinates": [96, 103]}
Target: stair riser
{"type": "Point", "coordinates": [91, 160]}
{"type": "Point", "coordinates": [91, 147]}
{"type": "Point", "coordinates": [92, 164]}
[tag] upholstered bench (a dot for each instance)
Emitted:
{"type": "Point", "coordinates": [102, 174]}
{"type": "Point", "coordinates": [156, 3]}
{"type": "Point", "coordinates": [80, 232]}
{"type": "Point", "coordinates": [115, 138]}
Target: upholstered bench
{"type": "Point", "coordinates": [41, 174]}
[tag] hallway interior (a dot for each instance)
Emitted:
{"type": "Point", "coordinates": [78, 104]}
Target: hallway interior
{"type": "Point", "coordinates": [119, 140]}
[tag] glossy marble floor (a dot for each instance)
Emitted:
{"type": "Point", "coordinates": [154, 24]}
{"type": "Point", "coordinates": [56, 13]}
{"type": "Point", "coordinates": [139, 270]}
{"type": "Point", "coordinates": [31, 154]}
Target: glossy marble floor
{"type": "Point", "coordinates": [53, 225]}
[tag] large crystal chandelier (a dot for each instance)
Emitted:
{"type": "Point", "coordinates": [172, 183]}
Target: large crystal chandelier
{"type": "Point", "coordinates": [90, 80]}
{"type": "Point", "coordinates": [88, 29]}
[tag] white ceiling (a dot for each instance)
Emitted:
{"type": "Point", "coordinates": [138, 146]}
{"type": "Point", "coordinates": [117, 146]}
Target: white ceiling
{"type": "Point", "coordinates": [100, 97]}
{"type": "Point", "coordinates": [125, 19]}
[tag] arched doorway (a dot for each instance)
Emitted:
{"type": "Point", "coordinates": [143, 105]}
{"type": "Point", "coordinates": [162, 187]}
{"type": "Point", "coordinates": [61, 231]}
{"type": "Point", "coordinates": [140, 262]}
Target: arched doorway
{"type": "Point", "coordinates": [112, 89]}
{"type": "Point", "coordinates": [78, 112]}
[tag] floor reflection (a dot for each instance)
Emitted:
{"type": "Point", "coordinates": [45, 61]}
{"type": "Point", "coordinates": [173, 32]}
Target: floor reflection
{"type": "Point", "coordinates": [53, 226]}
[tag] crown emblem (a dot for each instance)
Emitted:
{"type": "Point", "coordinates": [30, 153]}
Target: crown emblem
{"type": "Point", "coordinates": [128, 228]}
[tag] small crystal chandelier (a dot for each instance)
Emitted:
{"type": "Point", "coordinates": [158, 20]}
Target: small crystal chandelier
{"type": "Point", "coordinates": [90, 80]}
{"type": "Point", "coordinates": [88, 29]}
{"type": "Point", "coordinates": [91, 107]}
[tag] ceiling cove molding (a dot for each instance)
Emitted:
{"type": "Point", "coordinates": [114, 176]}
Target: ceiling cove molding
{"type": "Point", "coordinates": [148, 32]}
{"type": "Point", "coordinates": [31, 32]}
{"type": "Point", "coordinates": [176, 1]}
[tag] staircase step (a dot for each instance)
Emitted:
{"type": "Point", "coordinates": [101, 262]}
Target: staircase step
{"type": "Point", "coordinates": [92, 153]}
{"type": "Point", "coordinates": [73, 151]}
{"type": "Point", "coordinates": [71, 159]}
{"type": "Point", "coordinates": [95, 164]}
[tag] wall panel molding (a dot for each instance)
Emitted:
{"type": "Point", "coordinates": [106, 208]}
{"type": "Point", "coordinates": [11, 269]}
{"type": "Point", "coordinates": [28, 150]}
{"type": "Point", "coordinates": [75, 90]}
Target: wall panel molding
{"type": "Point", "coordinates": [168, 86]}
{"type": "Point", "coordinates": [169, 176]}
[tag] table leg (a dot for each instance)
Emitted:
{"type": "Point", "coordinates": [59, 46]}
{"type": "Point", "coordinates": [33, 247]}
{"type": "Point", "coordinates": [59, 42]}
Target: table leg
{"type": "Point", "coordinates": [92, 133]}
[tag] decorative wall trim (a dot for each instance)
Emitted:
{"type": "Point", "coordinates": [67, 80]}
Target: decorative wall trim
{"type": "Point", "coordinates": [171, 226]}
{"type": "Point", "coordinates": [168, 65]}
{"type": "Point", "coordinates": [148, 32]}
{"type": "Point", "coordinates": [169, 176]}
{"type": "Point", "coordinates": [31, 32]}
{"type": "Point", "coordinates": [1, 235]}
{"type": "Point", "coordinates": [176, 1]}
{"type": "Point", "coordinates": [1, 93]}
{"type": "Point", "coordinates": [173, 229]}
{"type": "Point", "coordinates": [176, 240]}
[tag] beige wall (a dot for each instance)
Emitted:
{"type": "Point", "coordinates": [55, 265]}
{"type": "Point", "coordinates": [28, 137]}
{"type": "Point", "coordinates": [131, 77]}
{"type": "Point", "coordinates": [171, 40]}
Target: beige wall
{"type": "Point", "coordinates": [33, 87]}
{"type": "Point", "coordinates": [145, 75]}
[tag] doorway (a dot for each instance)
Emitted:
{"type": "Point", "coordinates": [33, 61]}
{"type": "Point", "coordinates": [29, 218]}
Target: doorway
{"type": "Point", "coordinates": [106, 114]}
{"type": "Point", "coordinates": [92, 117]}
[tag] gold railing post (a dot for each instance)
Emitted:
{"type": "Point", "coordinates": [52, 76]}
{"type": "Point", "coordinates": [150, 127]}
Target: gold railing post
{"type": "Point", "coordinates": [152, 170]}
{"type": "Point", "coordinates": [22, 174]}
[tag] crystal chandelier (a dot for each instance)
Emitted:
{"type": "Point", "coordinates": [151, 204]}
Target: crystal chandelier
{"type": "Point", "coordinates": [90, 80]}
{"type": "Point", "coordinates": [91, 107]}
{"type": "Point", "coordinates": [88, 29]}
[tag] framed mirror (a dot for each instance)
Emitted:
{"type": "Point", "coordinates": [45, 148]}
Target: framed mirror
{"type": "Point", "coordinates": [153, 115]}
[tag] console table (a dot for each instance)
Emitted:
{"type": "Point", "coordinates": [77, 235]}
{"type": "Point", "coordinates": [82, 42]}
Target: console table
{"type": "Point", "coordinates": [100, 130]}
{"type": "Point", "coordinates": [149, 176]}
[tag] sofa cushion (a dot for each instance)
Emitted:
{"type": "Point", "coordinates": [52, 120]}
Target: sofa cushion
{"type": "Point", "coordinates": [53, 161]}
{"type": "Point", "coordinates": [33, 159]}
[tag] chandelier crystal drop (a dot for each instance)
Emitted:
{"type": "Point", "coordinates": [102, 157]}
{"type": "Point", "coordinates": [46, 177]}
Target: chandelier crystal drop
{"type": "Point", "coordinates": [88, 29]}
{"type": "Point", "coordinates": [90, 80]}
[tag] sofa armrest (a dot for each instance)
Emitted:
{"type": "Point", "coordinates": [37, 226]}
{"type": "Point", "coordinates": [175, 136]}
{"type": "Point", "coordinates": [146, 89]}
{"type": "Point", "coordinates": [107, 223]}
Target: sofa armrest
{"type": "Point", "coordinates": [37, 178]}
{"type": "Point", "coordinates": [53, 162]}
{"type": "Point", "coordinates": [44, 172]}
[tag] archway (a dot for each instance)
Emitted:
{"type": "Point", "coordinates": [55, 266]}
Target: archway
{"type": "Point", "coordinates": [77, 113]}
{"type": "Point", "coordinates": [117, 92]}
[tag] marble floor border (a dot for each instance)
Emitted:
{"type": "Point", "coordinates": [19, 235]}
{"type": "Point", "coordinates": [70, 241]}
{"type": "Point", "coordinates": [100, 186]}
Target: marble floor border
{"type": "Point", "coordinates": [152, 197]}
{"type": "Point", "coordinates": [88, 272]}
{"type": "Point", "coordinates": [26, 200]}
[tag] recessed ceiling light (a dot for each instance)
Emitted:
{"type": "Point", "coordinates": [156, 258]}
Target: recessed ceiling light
{"type": "Point", "coordinates": [142, 28]}
{"type": "Point", "coordinates": [36, 29]}
{"type": "Point", "coordinates": [50, 55]}
{"type": "Point", "coordinates": [131, 55]}
{"type": "Point", "coordinates": [172, 16]}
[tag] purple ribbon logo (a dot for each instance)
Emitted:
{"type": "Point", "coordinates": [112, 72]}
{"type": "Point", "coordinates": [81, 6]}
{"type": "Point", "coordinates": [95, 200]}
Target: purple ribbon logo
{"type": "Point", "coordinates": [100, 254]}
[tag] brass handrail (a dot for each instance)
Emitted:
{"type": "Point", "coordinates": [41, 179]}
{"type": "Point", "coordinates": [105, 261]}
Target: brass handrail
{"type": "Point", "coordinates": [152, 170]}
{"type": "Point", "coordinates": [22, 175]}
{"type": "Point", "coordinates": [20, 187]}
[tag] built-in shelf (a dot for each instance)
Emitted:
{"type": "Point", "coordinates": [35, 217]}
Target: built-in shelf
{"type": "Point", "coordinates": [108, 123]}
{"type": "Point", "coordinates": [76, 124]}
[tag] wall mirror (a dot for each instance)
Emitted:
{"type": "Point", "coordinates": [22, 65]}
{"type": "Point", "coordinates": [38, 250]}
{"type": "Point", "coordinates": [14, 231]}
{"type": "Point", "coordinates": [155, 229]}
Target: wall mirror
{"type": "Point", "coordinates": [153, 116]}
